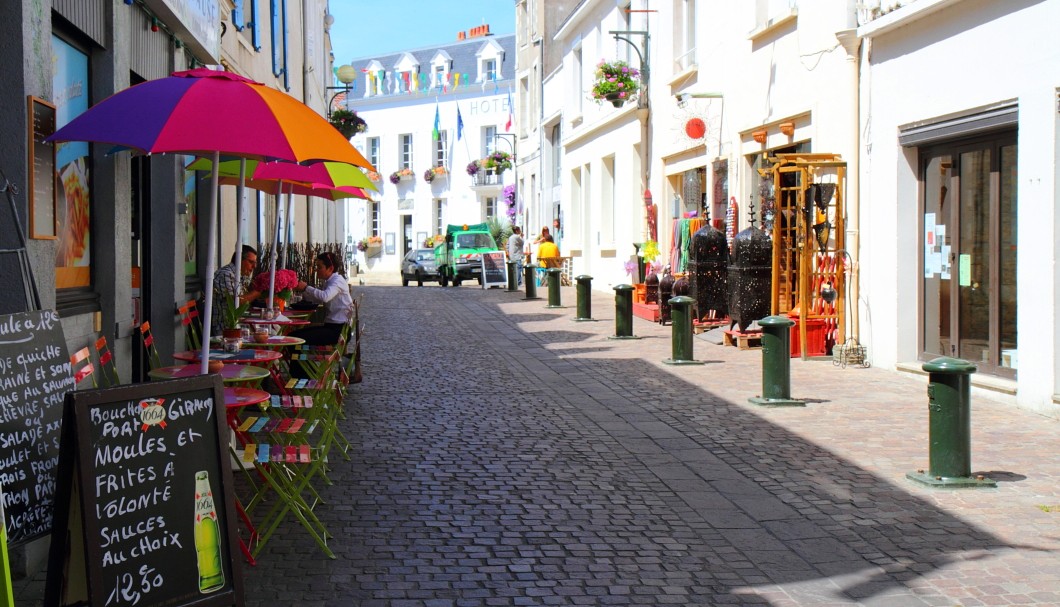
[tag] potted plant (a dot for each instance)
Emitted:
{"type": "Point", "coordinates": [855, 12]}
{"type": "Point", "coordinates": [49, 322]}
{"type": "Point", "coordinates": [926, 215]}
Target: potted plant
{"type": "Point", "coordinates": [370, 245]}
{"type": "Point", "coordinates": [348, 123]}
{"type": "Point", "coordinates": [498, 161]}
{"type": "Point", "coordinates": [473, 167]}
{"type": "Point", "coordinates": [401, 175]}
{"type": "Point", "coordinates": [616, 82]}
{"type": "Point", "coordinates": [374, 176]}
{"type": "Point", "coordinates": [231, 315]}
{"type": "Point", "coordinates": [433, 172]}
{"type": "Point", "coordinates": [283, 286]}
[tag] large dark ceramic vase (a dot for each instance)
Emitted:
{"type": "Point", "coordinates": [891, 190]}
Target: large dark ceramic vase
{"type": "Point", "coordinates": [750, 277]}
{"type": "Point", "coordinates": [708, 271]}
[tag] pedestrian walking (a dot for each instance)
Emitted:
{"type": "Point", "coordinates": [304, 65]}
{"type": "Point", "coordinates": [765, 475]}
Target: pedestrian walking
{"type": "Point", "coordinates": [515, 252]}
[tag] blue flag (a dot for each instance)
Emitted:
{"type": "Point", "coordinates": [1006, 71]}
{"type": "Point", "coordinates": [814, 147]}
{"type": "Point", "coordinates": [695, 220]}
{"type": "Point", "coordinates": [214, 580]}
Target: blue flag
{"type": "Point", "coordinates": [459, 124]}
{"type": "Point", "coordinates": [434, 134]}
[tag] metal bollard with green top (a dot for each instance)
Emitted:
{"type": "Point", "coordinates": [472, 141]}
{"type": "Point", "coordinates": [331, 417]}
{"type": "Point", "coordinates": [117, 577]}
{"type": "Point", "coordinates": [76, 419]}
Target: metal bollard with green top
{"type": "Point", "coordinates": [530, 282]}
{"type": "Point", "coordinates": [949, 426]}
{"type": "Point", "coordinates": [512, 278]}
{"type": "Point", "coordinates": [623, 312]}
{"type": "Point", "coordinates": [776, 364]}
{"type": "Point", "coordinates": [553, 287]}
{"type": "Point", "coordinates": [681, 332]}
{"type": "Point", "coordinates": [585, 303]}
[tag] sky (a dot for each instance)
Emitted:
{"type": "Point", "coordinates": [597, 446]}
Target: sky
{"type": "Point", "coordinates": [378, 27]}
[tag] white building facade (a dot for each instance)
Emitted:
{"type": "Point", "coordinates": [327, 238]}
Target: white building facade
{"type": "Point", "coordinates": [949, 149]}
{"type": "Point", "coordinates": [437, 110]}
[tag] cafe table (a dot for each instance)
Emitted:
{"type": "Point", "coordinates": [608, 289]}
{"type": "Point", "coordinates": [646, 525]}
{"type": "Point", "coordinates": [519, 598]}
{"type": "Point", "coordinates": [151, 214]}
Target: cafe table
{"type": "Point", "coordinates": [285, 324]}
{"type": "Point", "coordinates": [275, 341]}
{"type": "Point", "coordinates": [246, 356]}
{"type": "Point", "coordinates": [230, 374]}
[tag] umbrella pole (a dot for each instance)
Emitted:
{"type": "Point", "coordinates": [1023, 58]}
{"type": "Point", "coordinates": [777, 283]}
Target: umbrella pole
{"type": "Point", "coordinates": [240, 214]}
{"type": "Point", "coordinates": [275, 242]}
{"type": "Point", "coordinates": [211, 266]}
{"type": "Point", "coordinates": [286, 229]}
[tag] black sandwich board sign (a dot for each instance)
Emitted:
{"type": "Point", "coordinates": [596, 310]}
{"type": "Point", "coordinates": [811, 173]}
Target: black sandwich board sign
{"type": "Point", "coordinates": [34, 378]}
{"type": "Point", "coordinates": [494, 270]}
{"type": "Point", "coordinates": [145, 512]}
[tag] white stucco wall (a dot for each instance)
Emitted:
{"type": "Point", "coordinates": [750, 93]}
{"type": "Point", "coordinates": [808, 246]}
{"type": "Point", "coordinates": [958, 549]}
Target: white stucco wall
{"type": "Point", "coordinates": [971, 54]}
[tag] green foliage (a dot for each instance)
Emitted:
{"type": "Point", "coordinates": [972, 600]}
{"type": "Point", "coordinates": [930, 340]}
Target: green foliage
{"type": "Point", "coordinates": [500, 229]}
{"type": "Point", "coordinates": [232, 314]}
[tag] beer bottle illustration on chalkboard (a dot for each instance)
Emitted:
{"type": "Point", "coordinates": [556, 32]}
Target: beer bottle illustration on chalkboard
{"type": "Point", "coordinates": [207, 536]}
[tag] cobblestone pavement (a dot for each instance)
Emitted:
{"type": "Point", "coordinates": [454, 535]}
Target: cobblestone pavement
{"type": "Point", "coordinates": [506, 455]}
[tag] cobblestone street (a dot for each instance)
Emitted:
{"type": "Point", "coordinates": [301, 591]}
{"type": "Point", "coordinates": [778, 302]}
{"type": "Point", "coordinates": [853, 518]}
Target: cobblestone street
{"type": "Point", "coordinates": [506, 455]}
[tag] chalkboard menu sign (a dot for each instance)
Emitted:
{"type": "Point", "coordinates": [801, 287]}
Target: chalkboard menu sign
{"type": "Point", "coordinates": [145, 512]}
{"type": "Point", "coordinates": [34, 378]}
{"type": "Point", "coordinates": [494, 270]}
{"type": "Point", "coordinates": [43, 221]}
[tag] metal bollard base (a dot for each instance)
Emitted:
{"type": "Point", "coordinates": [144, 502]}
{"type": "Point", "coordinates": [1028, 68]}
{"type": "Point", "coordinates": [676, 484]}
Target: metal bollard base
{"type": "Point", "coordinates": [583, 319]}
{"type": "Point", "coordinates": [623, 337]}
{"type": "Point", "coordinates": [555, 307]}
{"type": "Point", "coordinates": [951, 482]}
{"type": "Point", "coordinates": [670, 361]}
{"type": "Point", "coordinates": [776, 402]}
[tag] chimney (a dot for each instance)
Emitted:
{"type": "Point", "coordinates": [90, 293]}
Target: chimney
{"type": "Point", "coordinates": [461, 35]}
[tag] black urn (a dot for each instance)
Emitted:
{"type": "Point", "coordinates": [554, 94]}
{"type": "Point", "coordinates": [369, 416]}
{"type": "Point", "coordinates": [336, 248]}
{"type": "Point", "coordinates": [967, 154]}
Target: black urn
{"type": "Point", "coordinates": [666, 292]}
{"type": "Point", "coordinates": [708, 272]}
{"type": "Point", "coordinates": [750, 277]}
{"type": "Point", "coordinates": [651, 288]}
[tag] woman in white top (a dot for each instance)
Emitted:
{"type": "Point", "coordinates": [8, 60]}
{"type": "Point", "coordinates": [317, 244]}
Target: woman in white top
{"type": "Point", "coordinates": [338, 306]}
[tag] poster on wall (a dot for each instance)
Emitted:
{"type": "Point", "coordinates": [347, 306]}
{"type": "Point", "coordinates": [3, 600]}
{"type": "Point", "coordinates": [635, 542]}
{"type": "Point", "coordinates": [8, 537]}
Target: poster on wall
{"type": "Point", "coordinates": [72, 177]}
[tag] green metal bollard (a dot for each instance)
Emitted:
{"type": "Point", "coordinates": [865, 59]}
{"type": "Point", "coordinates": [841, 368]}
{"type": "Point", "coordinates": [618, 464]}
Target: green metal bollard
{"type": "Point", "coordinates": [623, 312]}
{"type": "Point", "coordinates": [512, 278]}
{"type": "Point", "coordinates": [681, 332]}
{"type": "Point", "coordinates": [776, 364]}
{"type": "Point", "coordinates": [553, 287]}
{"type": "Point", "coordinates": [949, 426]}
{"type": "Point", "coordinates": [585, 303]}
{"type": "Point", "coordinates": [531, 284]}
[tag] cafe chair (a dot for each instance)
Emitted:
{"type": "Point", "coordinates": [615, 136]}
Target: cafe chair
{"type": "Point", "coordinates": [108, 371]}
{"type": "Point", "coordinates": [82, 368]}
{"type": "Point", "coordinates": [189, 319]}
{"type": "Point", "coordinates": [288, 443]}
{"type": "Point", "coordinates": [148, 341]}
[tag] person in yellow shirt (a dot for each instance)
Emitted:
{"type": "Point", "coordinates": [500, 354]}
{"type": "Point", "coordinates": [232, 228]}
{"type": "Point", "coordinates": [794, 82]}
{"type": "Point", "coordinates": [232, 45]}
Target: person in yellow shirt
{"type": "Point", "coordinates": [548, 253]}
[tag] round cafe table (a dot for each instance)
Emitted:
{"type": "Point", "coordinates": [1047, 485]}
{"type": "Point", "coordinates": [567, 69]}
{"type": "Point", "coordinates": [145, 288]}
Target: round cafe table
{"type": "Point", "coordinates": [230, 374]}
{"type": "Point", "coordinates": [275, 341]}
{"type": "Point", "coordinates": [285, 324]}
{"type": "Point", "coordinates": [246, 356]}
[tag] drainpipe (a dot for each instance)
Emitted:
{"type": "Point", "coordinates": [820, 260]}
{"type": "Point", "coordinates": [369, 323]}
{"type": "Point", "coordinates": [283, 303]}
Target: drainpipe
{"type": "Point", "coordinates": [852, 44]}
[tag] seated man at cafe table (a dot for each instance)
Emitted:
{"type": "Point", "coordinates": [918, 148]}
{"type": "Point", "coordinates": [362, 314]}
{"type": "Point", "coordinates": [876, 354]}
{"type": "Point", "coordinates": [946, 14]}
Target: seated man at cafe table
{"type": "Point", "coordinates": [338, 306]}
{"type": "Point", "coordinates": [224, 284]}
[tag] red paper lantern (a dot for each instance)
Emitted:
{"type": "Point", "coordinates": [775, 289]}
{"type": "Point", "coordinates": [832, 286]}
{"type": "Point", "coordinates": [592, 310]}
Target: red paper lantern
{"type": "Point", "coordinates": [695, 128]}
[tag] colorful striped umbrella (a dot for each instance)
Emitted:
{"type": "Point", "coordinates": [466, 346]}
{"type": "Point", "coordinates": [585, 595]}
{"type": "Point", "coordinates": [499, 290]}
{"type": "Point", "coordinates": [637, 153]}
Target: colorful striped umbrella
{"type": "Point", "coordinates": [203, 112]}
{"type": "Point", "coordinates": [208, 112]}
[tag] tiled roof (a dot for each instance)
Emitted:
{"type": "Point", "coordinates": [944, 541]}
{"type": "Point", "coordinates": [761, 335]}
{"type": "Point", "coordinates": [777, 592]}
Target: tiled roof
{"type": "Point", "coordinates": [463, 53]}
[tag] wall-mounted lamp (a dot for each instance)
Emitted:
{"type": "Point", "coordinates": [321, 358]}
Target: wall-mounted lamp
{"type": "Point", "coordinates": [154, 25]}
{"type": "Point", "coordinates": [346, 74]}
{"type": "Point", "coordinates": [788, 128]}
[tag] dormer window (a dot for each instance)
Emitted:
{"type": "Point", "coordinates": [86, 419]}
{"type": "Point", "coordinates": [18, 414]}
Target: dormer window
{"type": "Point", "coordinates": [374, 79]}
{"type": "Point", "coordinates": [490, 58]}
{"type": "Point", "coordinates": [440, 66]}
{"type": "Point", "coordinates": [407, 71]}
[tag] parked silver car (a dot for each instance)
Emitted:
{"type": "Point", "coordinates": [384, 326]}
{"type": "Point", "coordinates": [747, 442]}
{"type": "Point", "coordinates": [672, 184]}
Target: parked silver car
{"type": "Point", "coordinates": [418, 266]}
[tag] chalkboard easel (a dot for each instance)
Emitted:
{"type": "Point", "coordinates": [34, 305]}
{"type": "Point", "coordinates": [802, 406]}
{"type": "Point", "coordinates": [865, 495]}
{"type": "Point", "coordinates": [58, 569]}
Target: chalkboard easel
{"type": "Point", "coordinates": [494, 270]}
{"type": "Point", "coordinates": [145, 511]}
